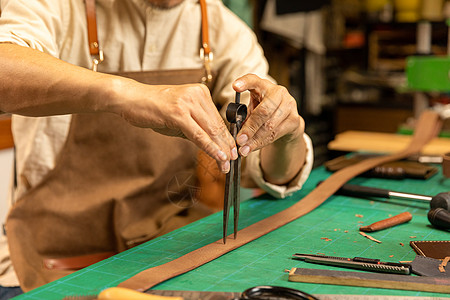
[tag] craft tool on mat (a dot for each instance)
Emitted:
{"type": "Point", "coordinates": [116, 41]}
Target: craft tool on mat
{"type": "Point", "coordinates": [360, 263]}
{"type": "Point", "coordinates": [439, 215]}
{"type": "Point", "coordinates": [439, 200]}
{"type": "Point", "coordinates": [384, 281]}
{"type": "Point", "coordinates": [236, 114]}
{"type": "Point", "coordinates": [387, 223]}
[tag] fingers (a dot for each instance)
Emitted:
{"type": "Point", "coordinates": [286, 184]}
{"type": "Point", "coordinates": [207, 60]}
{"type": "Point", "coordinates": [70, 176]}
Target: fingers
{"type": "Point", "coordinates": [273, 114]}
{"type": "Point", "coordinates": [199, 137]}
{"type": "Point", "coordinates": [205, 127]}
{"type": "Point", "coordinates": [219, 139]}
{"type": "Point", "coordinates": [252, 83]}
{"type": "Point", "coordinates": [270, 134]}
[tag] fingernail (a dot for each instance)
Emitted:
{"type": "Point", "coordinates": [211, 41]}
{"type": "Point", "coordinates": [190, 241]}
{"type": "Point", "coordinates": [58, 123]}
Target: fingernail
{"type": "Point", "coordinates": [242, 139]}
{"type": "Point", "coordinates": [222, 155]}
{"type": "Point", "coordinates": [239, 84]}
{"type": "Point", "coordinates": [234, 153]}
{"type": "Point", "coordinates": [226, 167]}
{"type": "Point", "coordinates": [245, 150]}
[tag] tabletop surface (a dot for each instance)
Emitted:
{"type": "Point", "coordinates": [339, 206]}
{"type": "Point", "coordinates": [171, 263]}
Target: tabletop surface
{"type": "Point", "coordinates": [331, 229]}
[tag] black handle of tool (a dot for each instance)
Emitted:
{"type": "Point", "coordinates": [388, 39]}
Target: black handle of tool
{"type": "Point", "coordinates": [439, 217]}
{"type": "Point", "coordinates": [361, 191]}
{"type": "Point", "coordinates": [441, 200]}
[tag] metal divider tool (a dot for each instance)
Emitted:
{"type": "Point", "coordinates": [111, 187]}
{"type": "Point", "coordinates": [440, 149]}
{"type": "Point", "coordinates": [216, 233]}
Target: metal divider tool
{"type": "Point", "coordinates": [236, 114]}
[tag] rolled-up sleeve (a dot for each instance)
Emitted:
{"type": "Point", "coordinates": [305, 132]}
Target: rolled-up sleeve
{"type": "Point", "coordinates": [34, 24]}
{"type": "Point", "coordinates": [254, 171]}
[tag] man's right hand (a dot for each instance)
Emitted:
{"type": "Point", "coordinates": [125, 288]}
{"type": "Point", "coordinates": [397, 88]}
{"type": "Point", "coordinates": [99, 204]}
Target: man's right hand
{"type": "Point", "coordinates": [178, 110]}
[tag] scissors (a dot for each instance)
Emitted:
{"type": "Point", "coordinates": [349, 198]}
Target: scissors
{"type": "Point", "coordinates": [236, 114]}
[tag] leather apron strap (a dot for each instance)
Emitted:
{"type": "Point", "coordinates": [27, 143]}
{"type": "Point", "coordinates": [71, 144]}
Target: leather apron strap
{"type": "Point", "coordinates": [427, 128]}
{"type": "Point", "coordinates": [96, 51]}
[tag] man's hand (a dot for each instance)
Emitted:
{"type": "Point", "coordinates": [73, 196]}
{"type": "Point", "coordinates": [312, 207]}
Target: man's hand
{"type": "Point", "coordinates": [273, 120]}
{"type": "Point", "coordinates": [272, 115]}
{"type": "Point", "coordinates": [180, 110]}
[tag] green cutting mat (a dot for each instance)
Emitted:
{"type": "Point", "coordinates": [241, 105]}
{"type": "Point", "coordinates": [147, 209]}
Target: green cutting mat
{"type": "Point", "coordinates": [331, 229]}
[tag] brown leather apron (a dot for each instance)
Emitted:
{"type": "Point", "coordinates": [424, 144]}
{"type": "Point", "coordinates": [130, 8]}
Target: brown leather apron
{"type": "Point", "coordinates": [114, 186]}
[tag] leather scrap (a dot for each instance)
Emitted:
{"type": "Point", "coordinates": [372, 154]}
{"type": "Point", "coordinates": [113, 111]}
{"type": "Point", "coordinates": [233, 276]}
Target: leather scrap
{"type": "Point", "coordinates": [433, 249]}
{"type": "Point", "coordinates": [427, 128]}
{"type": "Point", "coordinates": [427, 266]}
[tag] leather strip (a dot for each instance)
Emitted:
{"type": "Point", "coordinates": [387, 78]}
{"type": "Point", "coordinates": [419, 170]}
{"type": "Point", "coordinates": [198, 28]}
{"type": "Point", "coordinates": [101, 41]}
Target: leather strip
{"type": "Point", "coordinates": [75, 262]}
{"type": "Point", "coordinates": [427, 127]}
{"type": "Point", "coordinates": [205, 32]}
{"type": "Point", "coordinates": [92, 27]}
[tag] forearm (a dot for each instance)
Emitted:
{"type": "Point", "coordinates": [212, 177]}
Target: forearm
{"type": "Point", "coordinates": [33, 83]}
{"type": "Point", "coordinates": [282, 160]}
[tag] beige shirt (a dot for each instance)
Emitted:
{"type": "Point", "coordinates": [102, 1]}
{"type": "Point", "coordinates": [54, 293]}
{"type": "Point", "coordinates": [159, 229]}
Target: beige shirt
{"type": "Point", "coordinates": [134, 36]}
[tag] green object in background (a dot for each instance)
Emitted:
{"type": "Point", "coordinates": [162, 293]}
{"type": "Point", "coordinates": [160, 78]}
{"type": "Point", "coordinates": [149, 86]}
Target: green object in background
{"type": "Point", "coordinates": [242, 8]}
{"type": "Point", "coordinates": [428, 73]}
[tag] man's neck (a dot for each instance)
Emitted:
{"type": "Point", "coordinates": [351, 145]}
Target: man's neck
{"type": "Point", "coordinates": [164, 3]}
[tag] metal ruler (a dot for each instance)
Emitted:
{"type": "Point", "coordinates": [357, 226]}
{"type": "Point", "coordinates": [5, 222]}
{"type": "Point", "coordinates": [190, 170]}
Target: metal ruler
{"type": "Point", "coordinates": [195, 295]}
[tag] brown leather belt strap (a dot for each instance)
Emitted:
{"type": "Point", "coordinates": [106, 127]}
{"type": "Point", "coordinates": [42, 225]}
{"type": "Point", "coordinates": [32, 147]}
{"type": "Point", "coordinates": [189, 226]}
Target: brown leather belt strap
{"type": "Point", "coordinates": [205, 32]}
{"type": "Point", "coordinates": [92, 27]}
{"type": "Point", "coordinates": [205, 51]}
{"type": "Point", "coordinates": [426, 128]}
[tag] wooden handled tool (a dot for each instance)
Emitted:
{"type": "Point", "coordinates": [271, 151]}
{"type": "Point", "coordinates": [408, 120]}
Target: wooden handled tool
{"type": "Point", "coordinates": [118, 293]}
{"type": "Point", "coordinates": [387, 223]}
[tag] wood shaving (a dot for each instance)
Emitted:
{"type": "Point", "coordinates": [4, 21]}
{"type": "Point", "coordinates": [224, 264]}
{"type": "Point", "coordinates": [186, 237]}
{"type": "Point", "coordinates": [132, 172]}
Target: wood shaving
{"type": "Point", "coordinates": [359, 216]}
{"type": "Point", "coordinates": [401, 244]}
{"type": "Point", "coordinates": [369, 237]}
{"type": "Point", "coordinates": [413, 236]}
{"type": "Point", "coordinates": [326, 239]}
{"type": "Point", "coordinates": [391, 255]}
{"type": "Point", "coordinates": [346, 231]}
{"type": "Point", "coordinates": [444, 264]}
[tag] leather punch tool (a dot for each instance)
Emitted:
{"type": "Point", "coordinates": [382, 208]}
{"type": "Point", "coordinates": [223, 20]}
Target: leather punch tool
{"type": "Point", "coordinates": [236, 114]}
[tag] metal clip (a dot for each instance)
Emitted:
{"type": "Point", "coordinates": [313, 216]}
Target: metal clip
{"type": "Point", "coordinates": [207, 61]}
{"type": "Point", "coordinates": [97, 59]}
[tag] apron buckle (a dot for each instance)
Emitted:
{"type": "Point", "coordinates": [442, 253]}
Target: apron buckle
{"type": "Point", "coordinates": [207, 62]}
{"type": "Point", "coordinates": [97, 59]}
